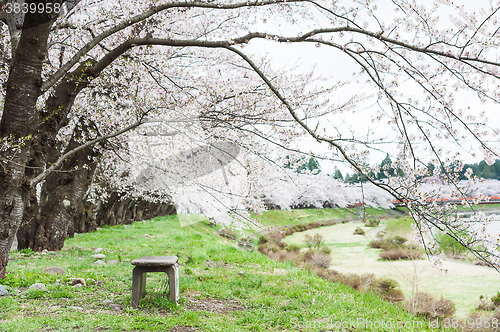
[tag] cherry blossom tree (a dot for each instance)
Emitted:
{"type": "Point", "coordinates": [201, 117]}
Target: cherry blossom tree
{"type": "Point", "coordinates": [80, 75]}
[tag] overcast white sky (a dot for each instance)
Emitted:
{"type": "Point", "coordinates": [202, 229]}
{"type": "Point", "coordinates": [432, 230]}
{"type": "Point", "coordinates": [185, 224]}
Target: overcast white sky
{"type": "Point", "coordinates": [332, 63]}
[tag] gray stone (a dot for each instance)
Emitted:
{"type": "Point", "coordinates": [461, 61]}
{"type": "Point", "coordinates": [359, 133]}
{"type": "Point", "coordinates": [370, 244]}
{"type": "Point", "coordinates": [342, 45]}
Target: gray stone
{"type": "Point", "coordinates": [77, 285]}
{"type": "Point", "coordinates": [78, 281]}
{"type": "Point", "coordinates": [3, 291]}
{"type": "Point", "coordinates": [107, 302]}
{"type": "Point", "coordinates": [98, 250]}
{"type": "Point", "coordinates": [53, 270]}
{"type": "Point", "coordinates": [99, 256]}
{"type": "Point", "coordinates": [99, 262]}
{"type": "Point", "coordinates": [115, 307]}
{"type": "Point", "coordinates": [37, 286]}
{"type": "Point", "coordinates": [112, 262]}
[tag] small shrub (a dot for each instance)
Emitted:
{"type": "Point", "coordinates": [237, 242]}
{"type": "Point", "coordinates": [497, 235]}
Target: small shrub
{"type": "Point", "coordinates": [308, 256]}
{"type": "Point", "coordinates": [372, 223]}
{"type": "Point", "coordinates": [496, 314]}
{"type": "Point", "coordinates": [386, 284]}
{"type": "Point", "coordinates": [359, 231]}
{"type": "Point", "coordinates": [496, 299]}
{"type": "Point", "coordinates": [377, 244]}
{"type": "Point", "coordinates": [263, 239]}
{"type": "Point", "coordinates": [444, 307]}
{"type": "Point", "coordinates": [352, 280]}
{"type": "Point", "coordinates": [400, 254]}
{"type": "Point", "coordinates": [321, 260]}
{"type": "Point", "coordinates": [326, 250]}
{"type": "Point", "coordinates": [314, 241]}
{"type": "Point", "coordinates": [293, 247]}
{"type": "Point", "coordinates": [423, 304]}
{"type": "Point", "coordinates": [263, 249]}
{"type": "Point", "coordinates": [388, 289]}
{"type": "Point", "coordinates": [276, 237]}
{"type": "Point", "coordinates": [394, 296]}
{"type": "Point", "coordinates": [274, 248]}
{"type": "Point", "coordinates": [397, 240]}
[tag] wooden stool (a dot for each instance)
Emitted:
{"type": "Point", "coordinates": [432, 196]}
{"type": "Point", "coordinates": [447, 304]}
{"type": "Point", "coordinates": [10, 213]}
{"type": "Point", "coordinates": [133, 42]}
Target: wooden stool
{"type": "Point", "coordinates": [167, 264]}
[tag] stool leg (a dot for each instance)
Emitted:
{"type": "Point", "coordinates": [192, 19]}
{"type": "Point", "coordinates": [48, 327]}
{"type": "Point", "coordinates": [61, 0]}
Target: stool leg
{"type": "Point", "coordinates": [136, 286]}
{"type": "Point", "coordinates": [173, 283]}
{"type": "Point", "coordinates": [142, 285]}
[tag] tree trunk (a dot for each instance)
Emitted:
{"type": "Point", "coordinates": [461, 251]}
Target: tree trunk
{"type": "Point", "coordinates": [84, 221]}
{"type": "Point", "coordinates": [66, 196]}
{"type": "Point", "coordinates": [19, 122]}
{"type": "Point", "coordinates": [105, 210]}
{"type": "Point", "coordinates": [27, 230]}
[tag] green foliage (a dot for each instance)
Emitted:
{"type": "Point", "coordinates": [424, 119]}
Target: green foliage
{"type": "Point", "coordinates": [314, 241]}
{"type": "Point", "coordinates": [449, 245]}
{"type": "Point", "coordinates": [26, 252]}
{"type": "Point", "coordinates": [338, 174]}
{"type": "Point", "coordinates": [372, 222]}
{"type": "Point", "coordinates": [26, 279]}
{"type": "Point", "coordinates": [496, 299]}
{"type": "Point", "coordinates": [326, 250]}
{"type": "Point", "coordinates": [293, 247]}
{"type": "Point", "coordinates": [311, 165]}
{"type": "Point", "coordinates": [397, 240]}
{"type": "Point", "coordinates": [359, 231]}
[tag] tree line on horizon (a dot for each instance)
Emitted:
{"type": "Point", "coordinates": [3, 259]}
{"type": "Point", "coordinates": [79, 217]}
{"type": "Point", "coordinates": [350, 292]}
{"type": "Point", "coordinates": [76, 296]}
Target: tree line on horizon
{"type": "Point", "coordinates": [480, 169]}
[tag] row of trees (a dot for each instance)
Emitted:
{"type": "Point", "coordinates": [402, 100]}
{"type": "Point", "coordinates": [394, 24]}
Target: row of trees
{"type": "Point", "coordinates": [98, 95]}
{"type": "Point", "coordinates": [481, 170]}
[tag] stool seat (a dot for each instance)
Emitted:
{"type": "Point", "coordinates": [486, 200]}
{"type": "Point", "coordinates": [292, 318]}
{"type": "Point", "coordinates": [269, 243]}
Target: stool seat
{"type": "Point", "coordinates": [155, 261]}
{"type": "Point", "coordinates": [167, 264]}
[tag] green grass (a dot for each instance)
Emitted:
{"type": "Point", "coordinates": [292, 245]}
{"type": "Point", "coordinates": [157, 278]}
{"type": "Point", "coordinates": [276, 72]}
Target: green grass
{"type": "Point", "coordinates": [279, 218]}
{"type": "Point", "coordinates": [463, 284]}
{"type": "Point", "coordinates": [400, 226]}
{"type": "Point", "coordinates": [267, 295]}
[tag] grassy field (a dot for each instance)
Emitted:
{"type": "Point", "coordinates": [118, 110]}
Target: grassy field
{"type": "Point", "coordinates": [223, 288]}
{"type": "Point", "coordinates": [463, 283]}
{"type": "Point", "coordinates": [278, 218]}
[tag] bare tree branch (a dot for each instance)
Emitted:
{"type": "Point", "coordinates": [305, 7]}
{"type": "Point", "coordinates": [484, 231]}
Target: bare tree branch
{"type": "Point", "coordinates": [141, 17]}
{"type": "Point", "coordinates": [61, 159]}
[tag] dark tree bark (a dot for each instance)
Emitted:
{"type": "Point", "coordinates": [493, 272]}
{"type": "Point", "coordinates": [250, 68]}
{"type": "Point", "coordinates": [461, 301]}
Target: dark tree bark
{"type": "Point", "coordinates": [66, 196]}
{"type": "Point", "coordinates": [84, 221]}
{"type": "Point", "coordinates": [19, 121]}
{"type": "Point", "coordinates": [27, 230]}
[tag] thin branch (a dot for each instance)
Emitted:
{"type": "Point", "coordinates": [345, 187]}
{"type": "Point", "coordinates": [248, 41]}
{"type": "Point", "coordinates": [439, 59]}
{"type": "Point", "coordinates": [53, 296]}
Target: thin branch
{"type": "Point", "coordinates": [61, 159]}
{"type": "Point", "coordinates": [141, 17]}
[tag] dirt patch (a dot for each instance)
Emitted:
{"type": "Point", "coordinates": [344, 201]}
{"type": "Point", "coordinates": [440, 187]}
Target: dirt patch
{"type": "Point", "coordinates": [212, 305]}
